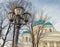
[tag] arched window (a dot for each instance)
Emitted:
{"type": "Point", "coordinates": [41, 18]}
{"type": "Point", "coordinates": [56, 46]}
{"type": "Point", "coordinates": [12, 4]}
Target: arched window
{"type": "Point", "coordinates": [29, 39]}
{"type": "Point", "coordinates": [50, 30]}
{"type": "Point", "coordinates": [26, 39]}
{"type": "Point", "coordinates": [45, 30]}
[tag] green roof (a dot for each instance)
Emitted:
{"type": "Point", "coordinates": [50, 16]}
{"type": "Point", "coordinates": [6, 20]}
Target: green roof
{"type": "Point", "coordinates": [48, 24]}
{"type": "Point", "coordinates": [38, 22]}
{"type": "Point", "coordinates": [26, 32]}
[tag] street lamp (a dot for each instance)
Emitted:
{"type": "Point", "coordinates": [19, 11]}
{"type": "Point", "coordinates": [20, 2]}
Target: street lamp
{"type": "Point", "coordinates": [26, 16]}
{"type": "Point", "coordinates": [11, 16]}
{"type": "Point", "coordinates": [18, 15]}
{"type": "Point", "coordinates": [18, 10]}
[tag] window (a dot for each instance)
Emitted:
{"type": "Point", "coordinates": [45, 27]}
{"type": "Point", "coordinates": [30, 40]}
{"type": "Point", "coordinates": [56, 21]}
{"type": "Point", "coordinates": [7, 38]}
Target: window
{"type": "Point", "coordinates": [45, 30]}
{"type": "Point", "coordinates": [26, 39]}
{"type": "Point", "coordinates": [29, 39]}
{"type": "Point", "coordinates": [50, 30]}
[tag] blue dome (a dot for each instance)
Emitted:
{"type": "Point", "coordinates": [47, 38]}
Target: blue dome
{"type": "Point", "coordinates": [26, 32]}
{"type": "Point", "coordinates": [38, 22]}
{"type": "Point", "coordinates": [48, 24]}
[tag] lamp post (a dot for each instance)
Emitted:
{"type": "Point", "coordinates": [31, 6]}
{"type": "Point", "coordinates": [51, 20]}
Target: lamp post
{"type": "Point", "coordinates": [16, 16]}
{"type": "Point", "coordinates": [0, 29]}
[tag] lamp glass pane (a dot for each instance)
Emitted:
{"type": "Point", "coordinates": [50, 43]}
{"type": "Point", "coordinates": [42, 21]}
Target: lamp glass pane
{"type": "Point", "coordinates": [18, 11]}
{"type": "Point", "coordinates": [26, 16]}
{"type": "Point", "coordinates": [10, 15]}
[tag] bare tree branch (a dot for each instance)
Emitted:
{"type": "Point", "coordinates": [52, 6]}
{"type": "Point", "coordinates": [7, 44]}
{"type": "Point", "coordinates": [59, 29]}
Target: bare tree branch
{"type": "Point", "coordinates": [4, 40]}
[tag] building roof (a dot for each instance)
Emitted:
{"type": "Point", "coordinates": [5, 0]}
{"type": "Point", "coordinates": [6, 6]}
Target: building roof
{"type": "Point", "coordinates": [42, 22]}
{"type": "Point", "coordinates": [48, 24]}
{"type": "Point", "coordinates": [26, 32]}
{"type": "Point", "coordinates": [38, 22]}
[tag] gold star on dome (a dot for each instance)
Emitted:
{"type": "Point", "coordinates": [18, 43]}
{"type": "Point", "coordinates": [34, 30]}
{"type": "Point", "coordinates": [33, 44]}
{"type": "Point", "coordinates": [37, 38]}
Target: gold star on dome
{"type": "Point", "coordinates": [46, 18]}
{"type": "Point", "coordinates": [41, 15]}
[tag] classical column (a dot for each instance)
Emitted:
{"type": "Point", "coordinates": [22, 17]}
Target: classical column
{"type": "Point", "coordinates": [55, 44]}
{"type": "Point", "coordinates": [48, 44]}
{"type": "Point", "coordinates": [41, 44]}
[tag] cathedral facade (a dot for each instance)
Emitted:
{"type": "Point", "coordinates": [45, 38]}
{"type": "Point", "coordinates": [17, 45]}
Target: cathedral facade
{"type": "Point", "coordinates": [51, 37]}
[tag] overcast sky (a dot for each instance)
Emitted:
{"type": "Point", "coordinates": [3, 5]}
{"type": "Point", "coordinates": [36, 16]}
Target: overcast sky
{"type": "Point", "coordinates": [50, 7]}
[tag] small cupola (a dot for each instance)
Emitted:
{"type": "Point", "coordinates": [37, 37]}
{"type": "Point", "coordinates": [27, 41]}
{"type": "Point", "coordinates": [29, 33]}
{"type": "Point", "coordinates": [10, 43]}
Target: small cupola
{"type": "Point", "coordinates": [48, 26]}
{"type": "Point", "coordinates": [39, 22]}
{"type": "Point", "coordinates": [26, 36]}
